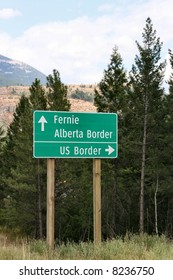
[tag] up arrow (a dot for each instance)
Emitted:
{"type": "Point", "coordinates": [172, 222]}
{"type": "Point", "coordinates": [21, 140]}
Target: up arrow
{"type": "Point", "coordinates": [42, 120]}
{"type": "Point", "coordinates": [110, 150]}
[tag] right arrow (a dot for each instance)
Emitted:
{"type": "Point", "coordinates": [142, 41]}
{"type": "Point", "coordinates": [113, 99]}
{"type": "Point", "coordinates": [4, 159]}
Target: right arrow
{"type": "Point", "coordinates": [42, 120]}
{"type": "Point", "coordinates": [110, 150]}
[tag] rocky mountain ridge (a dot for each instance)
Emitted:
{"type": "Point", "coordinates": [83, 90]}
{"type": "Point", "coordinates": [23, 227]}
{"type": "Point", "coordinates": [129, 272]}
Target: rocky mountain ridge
{"type": "Point", "coordinates": [14, 72]}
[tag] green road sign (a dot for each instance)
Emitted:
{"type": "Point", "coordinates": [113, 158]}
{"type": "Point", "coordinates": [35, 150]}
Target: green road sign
{"type": "Point", "coordinates": [74, 135]}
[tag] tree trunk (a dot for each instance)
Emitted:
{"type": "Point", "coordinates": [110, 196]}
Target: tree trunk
{"type": "Point", "coordinates": [155, 205]}
{"type": "Point", "coordinates": [143, 167]}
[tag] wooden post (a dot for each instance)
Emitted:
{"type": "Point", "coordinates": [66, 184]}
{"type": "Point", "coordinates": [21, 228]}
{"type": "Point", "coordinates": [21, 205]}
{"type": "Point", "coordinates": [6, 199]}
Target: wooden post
{"type": "Point", "coordinates": [97, 199]}
{"type": "Point", "coordinates": [50, 202]}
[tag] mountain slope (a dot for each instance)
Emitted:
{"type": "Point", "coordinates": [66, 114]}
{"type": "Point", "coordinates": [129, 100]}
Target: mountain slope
{"type": "Point", "coordinates": [8, 103]}
{"type": "Point", "coordinates": [13, 72]}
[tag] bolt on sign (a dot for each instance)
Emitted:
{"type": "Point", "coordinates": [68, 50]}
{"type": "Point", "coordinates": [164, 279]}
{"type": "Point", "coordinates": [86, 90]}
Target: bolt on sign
{"type": "Point", "coordinates": [75, 135]}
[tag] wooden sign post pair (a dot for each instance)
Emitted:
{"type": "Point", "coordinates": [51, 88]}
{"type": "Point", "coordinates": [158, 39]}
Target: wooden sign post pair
{"type": "Point", "coordinates": [51, 201]}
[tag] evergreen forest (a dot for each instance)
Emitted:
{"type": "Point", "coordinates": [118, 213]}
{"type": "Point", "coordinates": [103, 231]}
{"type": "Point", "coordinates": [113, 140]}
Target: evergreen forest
{"type": "Point", "coordinates": [137, 187]}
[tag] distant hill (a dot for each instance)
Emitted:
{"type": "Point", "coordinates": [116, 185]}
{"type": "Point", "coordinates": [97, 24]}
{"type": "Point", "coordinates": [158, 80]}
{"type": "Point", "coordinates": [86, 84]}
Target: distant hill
{"type": "Point", "coordinates": [13, 72]}
{"type": "Point", "coordinates": [10, 96]}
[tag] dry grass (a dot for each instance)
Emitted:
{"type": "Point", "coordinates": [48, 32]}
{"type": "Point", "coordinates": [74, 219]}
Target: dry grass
{"type": "Point", "coordinates": [129, 248]}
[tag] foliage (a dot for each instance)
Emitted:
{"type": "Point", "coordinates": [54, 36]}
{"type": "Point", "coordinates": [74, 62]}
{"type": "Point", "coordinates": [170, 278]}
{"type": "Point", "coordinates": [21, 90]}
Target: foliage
{"type": "Point", "coordinates": [57, 93]}
{"type": "Point", "coordinates": [79, 94]}
{"type": "Point", "coordinates": [111, 97]}
{"type": "Point", "coordinates": [111, 94]}
{"type": "Point", "coordinates": [147, 95]}
{"type": "Point", "coordinates": [2, 140]}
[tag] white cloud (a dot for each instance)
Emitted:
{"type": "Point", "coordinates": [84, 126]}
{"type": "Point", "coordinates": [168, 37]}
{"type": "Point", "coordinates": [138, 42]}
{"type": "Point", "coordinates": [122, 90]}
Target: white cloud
{"type": "Point", "coordinates": [80, 49]}
{"type": "Point", "coordinates": [7, 13]}
{"type": "Point", "coordinates": [74, 48]}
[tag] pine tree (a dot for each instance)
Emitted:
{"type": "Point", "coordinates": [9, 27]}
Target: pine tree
{"type": "Point", "coordinates": [147, 93]}
{"type": "Point", "coordinates": [167, 192]}
{"type": "Point", "coordinates": [18, 169]}
{"type": "Point", "coordinates": [57, 93]}
{"type": "Point", "coordinates": [2, 140]}
{"type": "Point", "coordinates": [170, 82]}
{"type": "Point", "coordinates": [37, 96]}
{"type": "Point", "coordinates": [38, 101]}
{"type": "Point", "coordinates": [112, 97]}
{"type": "Point", "coordinates": [23, 175]}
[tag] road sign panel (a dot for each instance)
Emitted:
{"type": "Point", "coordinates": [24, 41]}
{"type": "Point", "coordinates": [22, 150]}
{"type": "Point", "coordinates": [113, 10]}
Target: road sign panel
{"type": "Point", "coordinates": [74, 135]}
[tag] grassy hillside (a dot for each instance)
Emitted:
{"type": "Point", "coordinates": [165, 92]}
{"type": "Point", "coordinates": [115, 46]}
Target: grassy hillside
{"type": "Point", "coordinates": [80, 96]}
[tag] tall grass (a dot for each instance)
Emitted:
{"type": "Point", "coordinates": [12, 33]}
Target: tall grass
{"type": "Point", "coordinates": [132, 247]}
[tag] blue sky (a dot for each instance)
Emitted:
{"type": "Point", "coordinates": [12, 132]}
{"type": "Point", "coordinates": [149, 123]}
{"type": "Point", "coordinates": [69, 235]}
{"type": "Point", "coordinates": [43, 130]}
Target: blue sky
{"type": "Point", "coordinates": [76, 37]}
{"type": "Point", "coordinates": [41, 11]}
